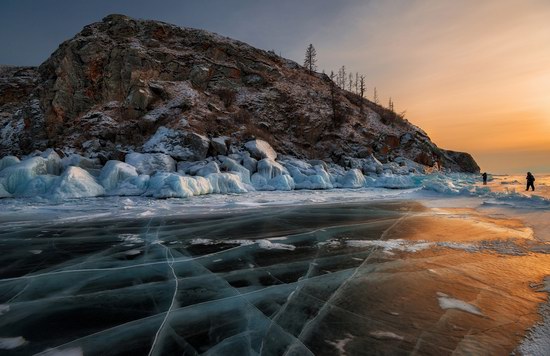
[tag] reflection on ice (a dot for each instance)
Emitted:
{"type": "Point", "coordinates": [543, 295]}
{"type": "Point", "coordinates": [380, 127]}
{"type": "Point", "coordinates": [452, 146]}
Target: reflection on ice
{"type": "Point", "coordinates": [322, 279]}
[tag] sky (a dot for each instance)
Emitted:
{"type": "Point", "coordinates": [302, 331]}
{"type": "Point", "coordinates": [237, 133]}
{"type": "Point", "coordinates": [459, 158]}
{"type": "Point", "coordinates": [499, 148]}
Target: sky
{"type": "Point", "coordinates": [475, 75]}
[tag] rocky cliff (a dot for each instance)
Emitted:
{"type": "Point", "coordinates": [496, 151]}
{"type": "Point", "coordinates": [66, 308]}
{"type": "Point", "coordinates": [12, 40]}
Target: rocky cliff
{"type": "Point", "coordinates": [124, 85]}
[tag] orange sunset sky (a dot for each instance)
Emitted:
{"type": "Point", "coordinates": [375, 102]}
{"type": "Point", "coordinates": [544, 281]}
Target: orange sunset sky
{"type": "Point", "coordinates": [474, 74]}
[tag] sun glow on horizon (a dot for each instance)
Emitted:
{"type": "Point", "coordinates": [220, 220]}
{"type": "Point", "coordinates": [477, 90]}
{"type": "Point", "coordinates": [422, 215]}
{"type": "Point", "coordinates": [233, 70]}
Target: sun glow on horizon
{"type": "Point", "coordinates": [475, 76]}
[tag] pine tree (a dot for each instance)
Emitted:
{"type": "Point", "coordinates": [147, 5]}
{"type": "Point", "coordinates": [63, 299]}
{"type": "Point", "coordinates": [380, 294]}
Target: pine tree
{"type": "Point", "coordinates": [310, 62]}
{"type": "Point", "coordinates": [390, 105]}
{"type": "Point", "coordinates": [350, 81]}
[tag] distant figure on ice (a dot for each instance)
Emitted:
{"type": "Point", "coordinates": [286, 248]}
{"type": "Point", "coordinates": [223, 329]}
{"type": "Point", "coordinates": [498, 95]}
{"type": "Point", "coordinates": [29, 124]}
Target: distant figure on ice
{"type": "Point", "coordinates": [530, 181]}
{"type": "Point", "coordinates": [484, 175]}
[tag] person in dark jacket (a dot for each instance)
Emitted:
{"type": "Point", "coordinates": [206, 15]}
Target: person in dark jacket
{"type": "Point", "coordinates": [484, 175]}
{"type": "Point", "coordinates": [530, 181]}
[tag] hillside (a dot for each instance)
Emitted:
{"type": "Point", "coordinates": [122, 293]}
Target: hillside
{"type": "Point", "coordinates": [123, 85]}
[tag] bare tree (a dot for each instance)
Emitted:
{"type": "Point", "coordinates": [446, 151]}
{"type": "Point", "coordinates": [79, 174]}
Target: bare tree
{"type": "Point", "coordinates": [361, 89]}
{"type": "Point", "coordinates": [390, 104]}
{"type": "Point", "coordinates": [310, 62]}
{"type": "Point", "coordinates": [342, 76]}
{"type": "Point", "coordinates": [356, 83]}
{"type": "Point", "coordinates": [375, 96]}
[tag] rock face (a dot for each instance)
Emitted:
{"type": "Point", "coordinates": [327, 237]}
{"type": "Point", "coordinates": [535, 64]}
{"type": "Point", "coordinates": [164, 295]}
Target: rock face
{"type": "Point", "coordinates": [124, 85]}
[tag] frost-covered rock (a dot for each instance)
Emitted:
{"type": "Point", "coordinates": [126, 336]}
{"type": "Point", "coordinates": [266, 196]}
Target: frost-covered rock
{"type": "Point", "coordinates": [268, 168]}
{"type": "Point", "coordinates": [149, 163]}
{"type": "Point", "coordinates": [219, 145]}
{"type": "Point", "coordinates": [16, 177]}
{"type": "Point", "coordinates": [259, 149]}
{"type": "Point", "coordinates": [280, 182]}
{"type": "Point", "coordinates": [352, 179]}
{"type": "Point", "coordinates": [171, 185]}
{"type": "Point", "coordinates": [231, 165]}
{"type": "Point", "coordinates": [209, 168]}
{"type": "Point", "coordinates": [53, 162]}
{"type": "Point", "coordinates": [115, 172]}
{"type": "Point", "coordinates": [131, 186]}
{"type": "Point", "coordinates": [225, 183]}
{"type": "Point", "coordinates": [411, 166]}
{"type": "Point", "coordinates": [250, 163]}
{"type": "Point", "coordinates": [182, 145]}
{"type": "Point", "coordinates": [75, 182]}
{"type": "Point", "coordinates": [307, 176]}
{"type": "Point", "coordinates": [371, 165]}
{"type": "Point", "coordinates": [77, 160]}
{"type": "Point", "coordinates": [8, 161]}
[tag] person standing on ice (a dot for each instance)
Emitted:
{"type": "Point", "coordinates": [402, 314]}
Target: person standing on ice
{"type": "Point", "coordinates": [530, 181]}
{"type": "Point", "coordinates": [484, 175]}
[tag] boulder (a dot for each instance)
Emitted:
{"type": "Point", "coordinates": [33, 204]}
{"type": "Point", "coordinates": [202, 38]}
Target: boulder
{"type": "Point", "coordinates": [149, 163]}
{"type": "Point", "coordinates": [182, 145]}
{"type": "Point", "coordinates": [219, 145]}
{"type": "Point", "coordinates": [464, 162]}
{"type": "Point", "coordinates": [231, 165]}
{"type": "Point", "coordinates": [115, 172]}
{"type": "Point", "coordinates": [75, 182]}
{"type": "Point", "coordinates": [209, 168]}
{"type": "Point", "coordinates": [260, 149]}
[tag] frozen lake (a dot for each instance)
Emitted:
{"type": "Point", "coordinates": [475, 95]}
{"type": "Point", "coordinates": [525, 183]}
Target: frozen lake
{"type": "Point", "coordinates": [324, 273]}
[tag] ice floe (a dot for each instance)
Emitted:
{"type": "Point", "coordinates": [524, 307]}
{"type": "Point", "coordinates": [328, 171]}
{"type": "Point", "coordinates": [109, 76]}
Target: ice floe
{"type": "Point", "coordinates": [9, 343]}
{"type": "Point", "coordinates": [447, 302]}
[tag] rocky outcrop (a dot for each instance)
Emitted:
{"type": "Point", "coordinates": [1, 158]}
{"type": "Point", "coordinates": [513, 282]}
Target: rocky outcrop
{"type": "Point", "coordinates": [464, 161]}
{"type": "Point", "coordinates": [125, 85]}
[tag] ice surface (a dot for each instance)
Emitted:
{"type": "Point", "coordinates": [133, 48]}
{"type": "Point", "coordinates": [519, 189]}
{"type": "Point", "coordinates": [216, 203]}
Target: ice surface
{"type": "Point", "coordinates": [390, 245]}
{"type": "Point", "coordinates": [379, 334]}
{"type": "Point", "coordinates": [446, 302]}
{"type": "Point", "coordinates": [8, 343]}
{"type": "Point", "coordinates": [230, 274]}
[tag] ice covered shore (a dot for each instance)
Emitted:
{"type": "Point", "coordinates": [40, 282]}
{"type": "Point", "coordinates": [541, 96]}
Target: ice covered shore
{"type": "Point", "coordinates": [46, 176]}
{"type": "Point", "coordinates": [257, 168]}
